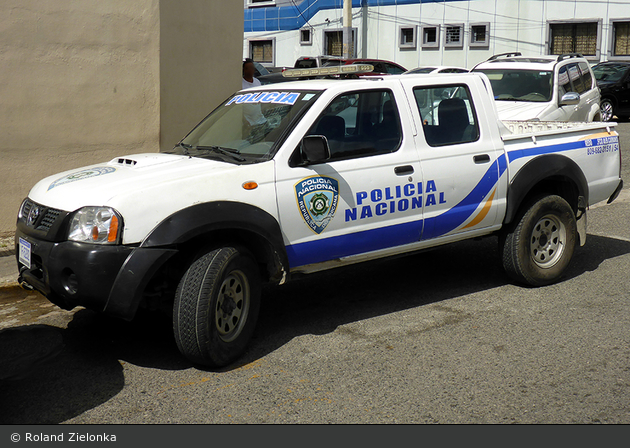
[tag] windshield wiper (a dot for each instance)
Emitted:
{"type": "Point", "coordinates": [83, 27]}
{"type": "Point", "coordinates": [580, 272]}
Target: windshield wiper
{"type": "Point", "coordinates": [234, 153]}
{"type": "Point", "coordinates": [185, 146]}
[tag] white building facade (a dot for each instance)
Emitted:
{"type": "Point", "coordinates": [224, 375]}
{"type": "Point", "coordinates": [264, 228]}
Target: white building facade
{"type": "Point", "coordinates": [416, 33]}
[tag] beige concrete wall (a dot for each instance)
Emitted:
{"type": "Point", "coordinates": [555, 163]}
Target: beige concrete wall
{"type": "Point", "coordinates": [201, 45]}
{"type": "Point", "coordinates": [83, 81]}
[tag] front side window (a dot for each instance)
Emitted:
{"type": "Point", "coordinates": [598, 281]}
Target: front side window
{"type": "Point", "coordinates": [360, 124]}
{"type": "Point", "coordinates": [447, 113]}
{"type": "Point", "coordinates": [564, 82]}
{"type": "Point", "coordinates": [247, 128]}
{"type": "Point", "coordinates": [521, 85]}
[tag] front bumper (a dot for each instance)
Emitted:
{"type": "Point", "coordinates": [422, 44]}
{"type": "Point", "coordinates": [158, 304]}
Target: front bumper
{"type": "Point", "coordinates": [108, 279]}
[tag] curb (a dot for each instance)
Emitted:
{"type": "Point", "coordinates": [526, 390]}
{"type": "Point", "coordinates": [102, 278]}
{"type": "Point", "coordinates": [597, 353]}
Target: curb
{"type": "Point", "coordinates": [7, 252]}
{"type": "Point", "coordinates": [8, 286]}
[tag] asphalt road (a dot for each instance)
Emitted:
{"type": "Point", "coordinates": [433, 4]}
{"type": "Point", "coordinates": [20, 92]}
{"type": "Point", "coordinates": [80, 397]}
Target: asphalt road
{"type": "Point", "coordinates": [438, 337]}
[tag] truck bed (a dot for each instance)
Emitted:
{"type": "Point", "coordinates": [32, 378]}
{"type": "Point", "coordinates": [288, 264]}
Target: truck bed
{"type": "Point", "coordinates": [520, 129]}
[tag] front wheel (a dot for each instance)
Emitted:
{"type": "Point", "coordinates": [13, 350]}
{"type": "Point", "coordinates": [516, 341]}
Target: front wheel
{"type": "Point", "coordinates": [216, 307]}
{"type": "Point", "coordinates": [538, 248]}
{"type": "Point", "coordinates": [606, 109]}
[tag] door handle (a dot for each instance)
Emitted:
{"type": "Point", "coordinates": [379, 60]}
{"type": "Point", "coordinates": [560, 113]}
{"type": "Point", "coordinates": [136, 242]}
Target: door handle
{"type": "Point", "coordinates": [481, 158]}
{"type": "Point", "coordinates": [403, 170]}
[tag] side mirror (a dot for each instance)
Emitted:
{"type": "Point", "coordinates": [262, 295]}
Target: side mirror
{"type": "Point", "coordinates": [570, 99]}
{"type": "Point", "coordinates": [315, 149]}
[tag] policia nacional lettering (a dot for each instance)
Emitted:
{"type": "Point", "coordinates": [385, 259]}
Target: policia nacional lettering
{"type": "Point", "coordinates": [400, 198]}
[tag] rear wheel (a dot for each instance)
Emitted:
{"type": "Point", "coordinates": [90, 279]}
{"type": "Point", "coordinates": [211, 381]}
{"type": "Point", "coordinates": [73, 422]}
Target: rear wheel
{"type": "Point", "coordinates": [538, 248]}
{"type": "Point", "coordinates": [216, 307]}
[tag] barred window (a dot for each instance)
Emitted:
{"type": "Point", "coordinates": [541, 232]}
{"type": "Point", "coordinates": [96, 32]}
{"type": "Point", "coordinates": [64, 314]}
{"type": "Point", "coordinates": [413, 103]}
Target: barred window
{"type": "Point", "coordinates": [573, 38]}
{"type": "Point", "coordinates": [453, 36]}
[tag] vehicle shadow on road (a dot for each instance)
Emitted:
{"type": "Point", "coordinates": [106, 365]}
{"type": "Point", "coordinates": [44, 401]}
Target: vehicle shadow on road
{"type": "Point", "coordinates": [50, 374]}
{"type": "Point", "coordinates": [320, 303]}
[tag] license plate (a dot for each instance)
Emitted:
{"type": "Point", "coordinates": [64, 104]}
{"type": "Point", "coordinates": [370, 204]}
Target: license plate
{"type": "Point", "coordinates": [25, 253]}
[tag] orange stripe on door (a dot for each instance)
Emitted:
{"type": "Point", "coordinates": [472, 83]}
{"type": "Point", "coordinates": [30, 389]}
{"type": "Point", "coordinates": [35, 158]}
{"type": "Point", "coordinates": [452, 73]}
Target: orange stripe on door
{"type": "Point", "coordinates": [482, 214]}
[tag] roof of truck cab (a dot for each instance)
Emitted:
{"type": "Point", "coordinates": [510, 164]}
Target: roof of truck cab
{"type": "Point", "coordinates": [357, 84]}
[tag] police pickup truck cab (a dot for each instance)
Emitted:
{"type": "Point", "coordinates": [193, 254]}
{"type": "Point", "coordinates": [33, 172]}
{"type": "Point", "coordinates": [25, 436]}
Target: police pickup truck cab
{"type": "Point", "coordinates": [303, 177]}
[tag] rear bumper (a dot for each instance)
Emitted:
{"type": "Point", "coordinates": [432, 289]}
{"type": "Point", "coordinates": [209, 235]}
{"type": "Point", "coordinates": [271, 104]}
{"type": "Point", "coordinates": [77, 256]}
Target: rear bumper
{"type": "Point", "coordinates": [108, 279]}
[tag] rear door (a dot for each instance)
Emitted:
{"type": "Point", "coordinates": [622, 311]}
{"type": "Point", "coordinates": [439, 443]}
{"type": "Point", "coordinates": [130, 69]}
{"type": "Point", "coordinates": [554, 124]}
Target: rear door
{"type": "Point", "coordinates": [461, 155]}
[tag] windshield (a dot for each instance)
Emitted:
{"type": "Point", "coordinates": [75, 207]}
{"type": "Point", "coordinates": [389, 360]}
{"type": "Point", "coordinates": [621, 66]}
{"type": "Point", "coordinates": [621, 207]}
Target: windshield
{"type": "Point", "coordinates": [609, 73]}
{"type": "Point", "coordinates": [521, 85]}
{"type": "Point", "coordinates": [247, 127]}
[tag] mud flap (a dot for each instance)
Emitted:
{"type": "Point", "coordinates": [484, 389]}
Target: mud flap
{"type": "Point", "coordinates": [581, 220]}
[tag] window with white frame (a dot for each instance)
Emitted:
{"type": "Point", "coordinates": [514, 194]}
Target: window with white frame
{"type": "Point", "coordinates": [480, 35]}
{"type": "Point", "coordinates": [621, 38]}
{"type": "Point", "coordinates": [574, 37]}
{"type": "Point", "coordinates": [431, 36]}
{"type": "Point", "coordinates": [407, 37]}
{"type": "Point", "coordinates": [261, 50]}
{"type": "Point", "coordinates": [306, 36]}
{"type": "Point", "coordinates": [454, 36]}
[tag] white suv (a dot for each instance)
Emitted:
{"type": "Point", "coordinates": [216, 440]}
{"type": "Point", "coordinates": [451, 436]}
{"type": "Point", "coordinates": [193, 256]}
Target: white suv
{"type": "Point", "coordinates": [543, 88]}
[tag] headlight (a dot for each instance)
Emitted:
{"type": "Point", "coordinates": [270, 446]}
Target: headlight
{"type": "Point", "coordinates": [99, 225]}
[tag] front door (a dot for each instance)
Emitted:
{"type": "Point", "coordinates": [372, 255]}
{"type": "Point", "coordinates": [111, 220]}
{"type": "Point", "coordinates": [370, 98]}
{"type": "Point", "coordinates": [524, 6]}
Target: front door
{"type": "Point", "coordinates": [367, 197]}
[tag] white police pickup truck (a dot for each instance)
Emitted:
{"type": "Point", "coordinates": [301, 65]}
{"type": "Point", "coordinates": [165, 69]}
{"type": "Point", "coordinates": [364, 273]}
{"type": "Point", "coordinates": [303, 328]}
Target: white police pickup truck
{"type": "Point", "coordinates": [304, 177]}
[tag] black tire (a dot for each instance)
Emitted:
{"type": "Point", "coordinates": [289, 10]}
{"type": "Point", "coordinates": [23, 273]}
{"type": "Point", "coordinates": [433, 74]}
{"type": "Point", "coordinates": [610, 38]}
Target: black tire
{"type": "Point", "coordinates": [538, 247]}
{"type": "Point", "coordinates": [216, 307]}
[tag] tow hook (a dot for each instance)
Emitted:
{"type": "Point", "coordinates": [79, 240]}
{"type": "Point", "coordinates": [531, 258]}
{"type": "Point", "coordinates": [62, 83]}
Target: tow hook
{"type": "Point", "coordinates": [23, 283]}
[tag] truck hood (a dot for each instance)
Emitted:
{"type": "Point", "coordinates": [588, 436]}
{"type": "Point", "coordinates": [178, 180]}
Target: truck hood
{"type": "Point", "coordinates": [147, 188]}
{"type": "Point", "coordinates": [99, 184]}
{"type": "Point", "coordinates": [519, 110]}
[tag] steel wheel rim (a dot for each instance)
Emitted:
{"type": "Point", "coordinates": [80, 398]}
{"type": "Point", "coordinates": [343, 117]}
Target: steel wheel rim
{"type": "Point", "coordinates": [606, 110]}
{"type": "Point", "coordinates": [548, 241]}
{"type": "Point", "coordinates": [232, 306]}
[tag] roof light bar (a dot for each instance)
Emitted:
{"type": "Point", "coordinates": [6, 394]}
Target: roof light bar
{"type": "Point", "coordinates": [325, 71]}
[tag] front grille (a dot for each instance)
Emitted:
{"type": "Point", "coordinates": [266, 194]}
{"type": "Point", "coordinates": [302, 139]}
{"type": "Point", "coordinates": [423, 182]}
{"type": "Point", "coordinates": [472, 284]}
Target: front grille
{"type": "Point", "coordinates": [45, 219]}
{"type": "Point", "coordinates": [49, 219]}
{"type": "Point", "coordinates": [26, 208]}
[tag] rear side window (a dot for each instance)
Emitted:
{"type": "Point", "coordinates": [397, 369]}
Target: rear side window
{"type": "Point", "coordinates": [360, 124]}
{"type": "Point", "coordinates": [448, 115]}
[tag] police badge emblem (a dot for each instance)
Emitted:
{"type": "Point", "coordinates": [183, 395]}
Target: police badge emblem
{"type": "Point", "coordinates": [317, 198]}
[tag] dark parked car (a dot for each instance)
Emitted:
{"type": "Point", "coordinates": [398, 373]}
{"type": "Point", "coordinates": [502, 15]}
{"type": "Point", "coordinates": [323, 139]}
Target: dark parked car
{"type": "Point", "coordinates": [613, 80]}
